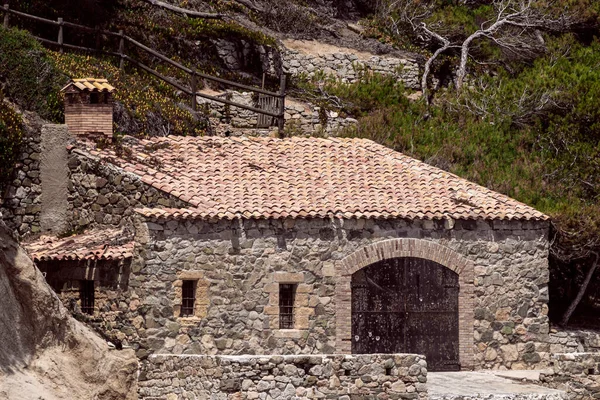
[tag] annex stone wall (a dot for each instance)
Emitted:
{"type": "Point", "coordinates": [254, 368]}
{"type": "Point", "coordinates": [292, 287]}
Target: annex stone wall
{"type": "Point", "coordinates": [111, 313]}
{"type": "Point", "coordinates": [103, 194]}
{"type": "Point", "coordinates": [241, 262]}
{"type": "Point", "coordinates": [344, 377]}
{"type": "Point", "coordinates": [579, 341]}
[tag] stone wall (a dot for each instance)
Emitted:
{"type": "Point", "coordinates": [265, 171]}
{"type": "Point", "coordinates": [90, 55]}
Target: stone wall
{"type": "Point", "coordinates": [576, 373]}
{"type": "Point", "coordinates": [114, 309]}
{"type": "Point", "coordinates": [21, 205]}
{"type": "Point", "coordinates": [103, 194]}
{"type": "Point", "coordinates": [242, 261]}
{"type": "Point", "coordinates": [345, 66]}
{"type": "Point", "coordinates": [300, 117]}
{"type": "Point", "coordinates": [309, 58]}
{"type": "Point", "coordinates": [98, 193]}
{"type": "Point", "coordinates": [343, 377]}
{"type": "Point", "coordinates": [574, 341]}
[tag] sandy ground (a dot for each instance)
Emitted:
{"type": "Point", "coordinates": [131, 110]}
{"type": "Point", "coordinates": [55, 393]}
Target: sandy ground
{"type": "Point", "coordinates": [312, 47]}
{"type": "Point", "coordinates": [484, 384]}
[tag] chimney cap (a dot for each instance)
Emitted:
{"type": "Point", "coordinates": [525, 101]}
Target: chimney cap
{"type": "Point", "coordinates": [89, 85]}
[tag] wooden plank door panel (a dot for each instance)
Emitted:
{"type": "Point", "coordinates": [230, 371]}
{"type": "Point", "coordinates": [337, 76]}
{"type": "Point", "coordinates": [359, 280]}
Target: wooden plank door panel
{"type": "Point", "coordinates": [407, 305]}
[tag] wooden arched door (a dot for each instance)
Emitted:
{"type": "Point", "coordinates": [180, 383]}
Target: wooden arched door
{"type": "Point", "coordinates": [407, 305]}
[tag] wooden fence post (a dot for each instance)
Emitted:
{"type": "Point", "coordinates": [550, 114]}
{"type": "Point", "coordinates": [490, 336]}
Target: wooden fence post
{"type": "Point", "coordinates": [193, 85]}
{"type": "Point", "coordinates": [60, 35]}
{"type": "Point", "coordinates": [281, 118]}
{"type": "Point", "coordinates": [6, 16]}
{"type": "Point", "coordinates": [122, 49]}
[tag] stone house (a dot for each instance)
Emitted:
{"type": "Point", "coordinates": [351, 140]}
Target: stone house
{"type": "Point", "coordinates": [314, 246]}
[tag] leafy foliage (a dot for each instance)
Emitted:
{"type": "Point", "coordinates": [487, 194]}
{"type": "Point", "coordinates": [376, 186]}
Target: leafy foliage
{"type": "Point", "coordinates": [371, 91]}
{"type": "Point", "coordinates": [149, 106]}
{"type": "Point", "coordinates": [11, 132]}
{"type": "Point", "coordinates": [28, 76]}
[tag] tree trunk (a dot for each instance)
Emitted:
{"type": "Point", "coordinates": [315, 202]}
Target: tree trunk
{"type": "Point", "coordinates": [427, 69]}
{"type": "Point", "coordinates": [189, 13]}
{"type": "Point", "coordinates": [464, 58]}
{"type": "Point", "coordinates": [582, 289]}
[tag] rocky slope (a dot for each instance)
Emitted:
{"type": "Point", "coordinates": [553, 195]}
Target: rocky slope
{"type": "Point", "coordinates": [44, 353]}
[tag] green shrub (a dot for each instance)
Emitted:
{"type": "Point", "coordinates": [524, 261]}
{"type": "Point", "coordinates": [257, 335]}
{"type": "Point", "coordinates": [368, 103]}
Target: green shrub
{"type": "Point", "coordinates": [371, 91]}
{"type": "Point", "coordinates": [11, 132]}
{"type": "Point", "coordinates": [534, 136]}
{"type": "Point", "coordinates": [29, 75]}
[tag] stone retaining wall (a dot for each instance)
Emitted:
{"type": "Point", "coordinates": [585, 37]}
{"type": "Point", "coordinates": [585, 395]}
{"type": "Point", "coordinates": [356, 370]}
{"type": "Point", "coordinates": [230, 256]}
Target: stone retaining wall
{"type": "Point", "coordinates": [345, 66]}
{"type": "Point", "coordinates": [344, 377]}
{"type": "Point", "coordinates": [576, 373]}
{"type": "Point", "coordinates": [574, 341]}
{"type": "Point", "coordinates": [21, 205]}
{"type": "Point", "coordinates": [305, 118]}
{"type": "Point", "coordinates": [292, 58]}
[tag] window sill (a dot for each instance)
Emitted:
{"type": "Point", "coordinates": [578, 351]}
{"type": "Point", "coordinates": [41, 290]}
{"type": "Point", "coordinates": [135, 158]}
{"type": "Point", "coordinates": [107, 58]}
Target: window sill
{"type": "Point", "coordinates": [188, 320]}
{"type": "Point", "coordinates": [290, 333]}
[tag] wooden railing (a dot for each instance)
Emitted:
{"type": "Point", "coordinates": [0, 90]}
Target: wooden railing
{"type": "Point", "coordinates": [121, 53]}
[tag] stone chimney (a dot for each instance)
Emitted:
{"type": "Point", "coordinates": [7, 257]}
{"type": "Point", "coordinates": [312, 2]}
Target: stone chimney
{"type": "Point", "coordinates": [89, 107]}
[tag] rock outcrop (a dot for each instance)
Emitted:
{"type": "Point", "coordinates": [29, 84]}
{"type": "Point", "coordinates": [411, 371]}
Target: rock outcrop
{"type": "Point", "coordinates": [44, 352]}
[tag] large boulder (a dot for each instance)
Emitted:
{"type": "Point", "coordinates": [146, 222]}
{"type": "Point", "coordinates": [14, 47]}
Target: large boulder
{"type": "Point", "coordinates": [45, 353]}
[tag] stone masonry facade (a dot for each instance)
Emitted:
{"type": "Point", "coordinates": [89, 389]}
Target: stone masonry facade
{"type": "Point", "coordinates": [341, 377]}
{"type": "Point", "coordinates": [502, 268]}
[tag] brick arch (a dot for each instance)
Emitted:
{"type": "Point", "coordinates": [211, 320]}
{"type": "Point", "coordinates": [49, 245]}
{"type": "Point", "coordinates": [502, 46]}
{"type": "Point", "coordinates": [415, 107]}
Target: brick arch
{"type": "Point", "coordinates": [399, 248]}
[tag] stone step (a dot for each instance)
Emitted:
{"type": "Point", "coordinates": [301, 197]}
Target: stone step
{"type": "Point", "coordinates": [486, 386]}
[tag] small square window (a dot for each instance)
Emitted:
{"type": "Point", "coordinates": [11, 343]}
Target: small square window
{"type": "Point", "coordinates": [86, 295]}
{"type": "Point", "coordinates": [188, 298]}
{"type": "Point", "coordinates": [287, 294]}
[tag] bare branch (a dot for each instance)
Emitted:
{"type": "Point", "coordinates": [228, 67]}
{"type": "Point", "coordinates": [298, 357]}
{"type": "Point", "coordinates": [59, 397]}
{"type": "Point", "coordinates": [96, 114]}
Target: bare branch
{"type": "Point", "coordinates": [515, 28]}
{"type": "Point", "coordinates": [189, 13]}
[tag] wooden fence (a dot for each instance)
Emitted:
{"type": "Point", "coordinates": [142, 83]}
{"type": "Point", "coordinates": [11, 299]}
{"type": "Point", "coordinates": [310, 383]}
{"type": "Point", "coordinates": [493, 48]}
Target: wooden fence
{"type": "Point", "coordinates": [121, 53]}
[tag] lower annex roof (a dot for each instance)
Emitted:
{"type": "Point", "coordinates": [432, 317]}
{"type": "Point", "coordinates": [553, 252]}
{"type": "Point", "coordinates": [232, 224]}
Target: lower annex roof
{"type": "Point", "coordinates": [107, 244]}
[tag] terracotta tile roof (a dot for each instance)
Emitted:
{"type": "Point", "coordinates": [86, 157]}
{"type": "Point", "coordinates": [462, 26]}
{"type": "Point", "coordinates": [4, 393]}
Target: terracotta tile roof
{"type": "Point", "coordinates": [305, 177]}
{"type": "Point", "coordinates": [91, 85]}
{"type": "Point", "coordinates": [108, 244]}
